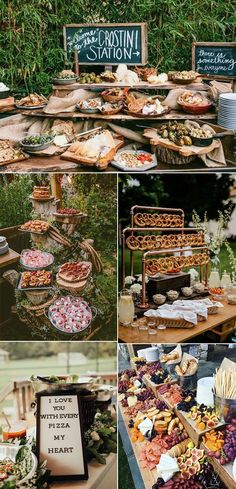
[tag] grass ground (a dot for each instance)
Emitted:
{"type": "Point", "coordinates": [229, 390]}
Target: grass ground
{"type": "Point", "coordinates": [125, 476]}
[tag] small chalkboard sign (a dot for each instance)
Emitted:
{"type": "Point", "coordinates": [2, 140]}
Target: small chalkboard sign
{"type": "Point", "coordinates": [214, 59]}
{"type": "Point", "coordinates": [107, 44]}
{"type": "Point", "coordinates": [59, 435]}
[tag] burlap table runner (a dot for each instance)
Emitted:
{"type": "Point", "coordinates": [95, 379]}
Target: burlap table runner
{"type": "Point", "coordinates": [56, 105]}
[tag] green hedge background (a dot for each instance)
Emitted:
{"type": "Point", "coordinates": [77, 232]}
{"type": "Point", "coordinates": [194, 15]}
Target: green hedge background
{"type": "Point", "coordinates": [31, 43]}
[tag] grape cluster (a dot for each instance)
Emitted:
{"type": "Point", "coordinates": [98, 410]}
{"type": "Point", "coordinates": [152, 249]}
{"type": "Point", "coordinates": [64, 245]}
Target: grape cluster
{"type": "Point", "coordinates": [159, 377]}
{"type": "Point", "coordinates": [123, 386]}
{"type": "Point", "coordinates": [153, 367]}
{"type": "Point", "coordinates": [140, 363]}
{"type": "Point", "coordinates": [188, 402]}
{"type": "Point", "coordinates": [209, 479]}
{"type": "Point", "coordinates": [179, 484]}
{"type": "Point", "coordinates": [175, 437]}
{"type": "Point", "coordinates": [230, 443]}
{"type": "Point", "coordinates": [129, 372]}
{"type": "Point", "coordinates": [145, 394]}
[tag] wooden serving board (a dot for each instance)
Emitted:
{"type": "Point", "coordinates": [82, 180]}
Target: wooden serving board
{"type": "Point", "coordinates": [21, 158]}
{"type": "Point", "coordinates": [225, 472]}
{"type": "Point", "coordinates": [78, 286]}
{"type": "Point", "coordinates": [191, 429]}
{"type": "Point", "coordinates": [63, 276]}
{"type": "Point", "coordinates": [149, 476]}
{"type": "Point", "coordinates": [166, 401]}
{"type": "Point", "coordinates": [105, 160]}
{"type": "Point", "coordinates": [155, 387]}
{"type": "Point", "coordinates": [192, 150]}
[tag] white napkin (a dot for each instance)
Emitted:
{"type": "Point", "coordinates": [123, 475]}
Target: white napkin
{"type": "Point", "coordinates": [198, 307]}
{"type": "Point", "coordinates": [169, 312]}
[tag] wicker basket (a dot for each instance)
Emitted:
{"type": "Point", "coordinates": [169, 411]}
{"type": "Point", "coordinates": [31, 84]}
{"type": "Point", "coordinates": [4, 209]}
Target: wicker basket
{"type": "Point", "coordinates": [88, 408]}
{"type": "Point", "coordinates": [111, 111]}
{"type": "Point", "coordinates": [37, 297]}
{"type": "Point", "coordinates": [39, 309]}
{"type": "Point", "coordinates": [102, 405]}
{"type": "Point", "coordinates": [174, 323]}
{"type": "Point", "coordinates": [144, 73]}
{"type": "Point", "coordinates": [200, 318]}
{"type": "Point", "coordinates": [171, 157]}
{"type": "Point", "coordinates": [213, 309]}
{"type": "Point", "coordinates": [114, 99]}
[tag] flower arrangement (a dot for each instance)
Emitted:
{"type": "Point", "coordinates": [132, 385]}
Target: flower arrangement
{"type": "Point", "coordinates": [101, 438]}
{"type": "Point", "coordinates": [215, 241]}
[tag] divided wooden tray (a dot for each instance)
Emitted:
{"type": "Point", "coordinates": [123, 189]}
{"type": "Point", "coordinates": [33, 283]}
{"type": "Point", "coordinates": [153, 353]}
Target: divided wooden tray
{"type": "Point", "coordinates": [191, 429]}
{"type": "Point", "coordinates": [154, 387]}
{"type": "Point", "coordinates": [225, 472]}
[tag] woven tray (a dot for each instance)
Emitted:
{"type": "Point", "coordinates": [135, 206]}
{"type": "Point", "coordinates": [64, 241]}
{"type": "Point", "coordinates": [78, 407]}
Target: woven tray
{"type": "Point", "coordinates": [174, 323]}
{"type": "Point", "coordinates": [213, 309]}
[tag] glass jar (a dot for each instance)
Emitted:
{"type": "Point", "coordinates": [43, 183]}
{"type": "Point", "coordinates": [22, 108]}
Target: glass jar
{"type": "Point", "coordinates": [225, 280]}
{"type": "Point", "coordinates": [230, 291]}
{"type": "Point", "coordinates": [126, 307]}
{"type": "Point", "coordinates": [16, 430]}
{"type": "Point", "coordinates": [214, 279]}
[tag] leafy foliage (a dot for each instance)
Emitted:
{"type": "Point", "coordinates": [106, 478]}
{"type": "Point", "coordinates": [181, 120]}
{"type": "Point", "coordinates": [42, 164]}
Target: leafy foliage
{"type": "Point", "coordinates": [185, 191]}
{"type": "Point", "coordinates": [15, 205]}
{"type": "Point", "coordinates": [31, 40]}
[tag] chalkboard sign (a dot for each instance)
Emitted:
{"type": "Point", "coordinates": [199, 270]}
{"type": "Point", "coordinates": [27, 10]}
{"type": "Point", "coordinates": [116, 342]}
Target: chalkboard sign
{"type": "Point", "coordinates": [215, 60]}
{"type": "Point", "coordinates": [107, 44]}
{"type": "Point", "coordinates": [59, 435]}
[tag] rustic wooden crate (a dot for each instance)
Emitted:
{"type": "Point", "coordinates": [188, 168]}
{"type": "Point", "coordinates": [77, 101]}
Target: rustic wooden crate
{"type": "Point", "coordinates": [161, 286]}
{"type": "Point", "coordinates": [155, 387]}
{"type": "Point", "coordinates": [225, 472]}
{"type": "Point", "coordinates": [192, 431]}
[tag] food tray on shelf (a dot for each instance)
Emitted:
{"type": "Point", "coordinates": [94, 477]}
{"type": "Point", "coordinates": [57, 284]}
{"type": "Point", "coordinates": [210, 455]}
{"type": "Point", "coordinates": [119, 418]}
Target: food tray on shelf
{"type": "Point", "coordinates": [33, 232]}
{"type": "Point", "coordinates": [15, 160]}
{"type": "Point", "coordinates": [117, 163]}
{"type": "Point", "coordinates": [32, 289]}
{"type": "Point", "coordinates": [166, 110]}
{"type": "Point", "coordinates": [154, 387]}
{"type": "Point", "coordinates": [26, 267]}
{"type": "Point", "coordinates": [30, 107]}
{"type": "Point", "coordinates": [41, 199]}
{"type": "Point", "coordinates": [190, 426]}
{"type": "Point", "coordinates": [225, 472]}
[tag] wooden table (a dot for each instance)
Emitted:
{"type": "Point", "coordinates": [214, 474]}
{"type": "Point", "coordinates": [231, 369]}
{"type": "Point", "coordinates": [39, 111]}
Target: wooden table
{"type": "Point", "coordinates": [100, 476]}
{"type": "Point", "coordinates": [9, 258]}
{"type": "Point", "coordinates": [222, 324]}
{"type": "Point", "coordinates": [38, 164]}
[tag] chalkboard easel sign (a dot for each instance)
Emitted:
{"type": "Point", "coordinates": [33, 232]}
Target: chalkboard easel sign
{"type": "Point", "coordinates": [107, 44]}
{"type": "Point", "coordinates": [215, 59]}
{"type": "Point", "coordinates": [59, 435]}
